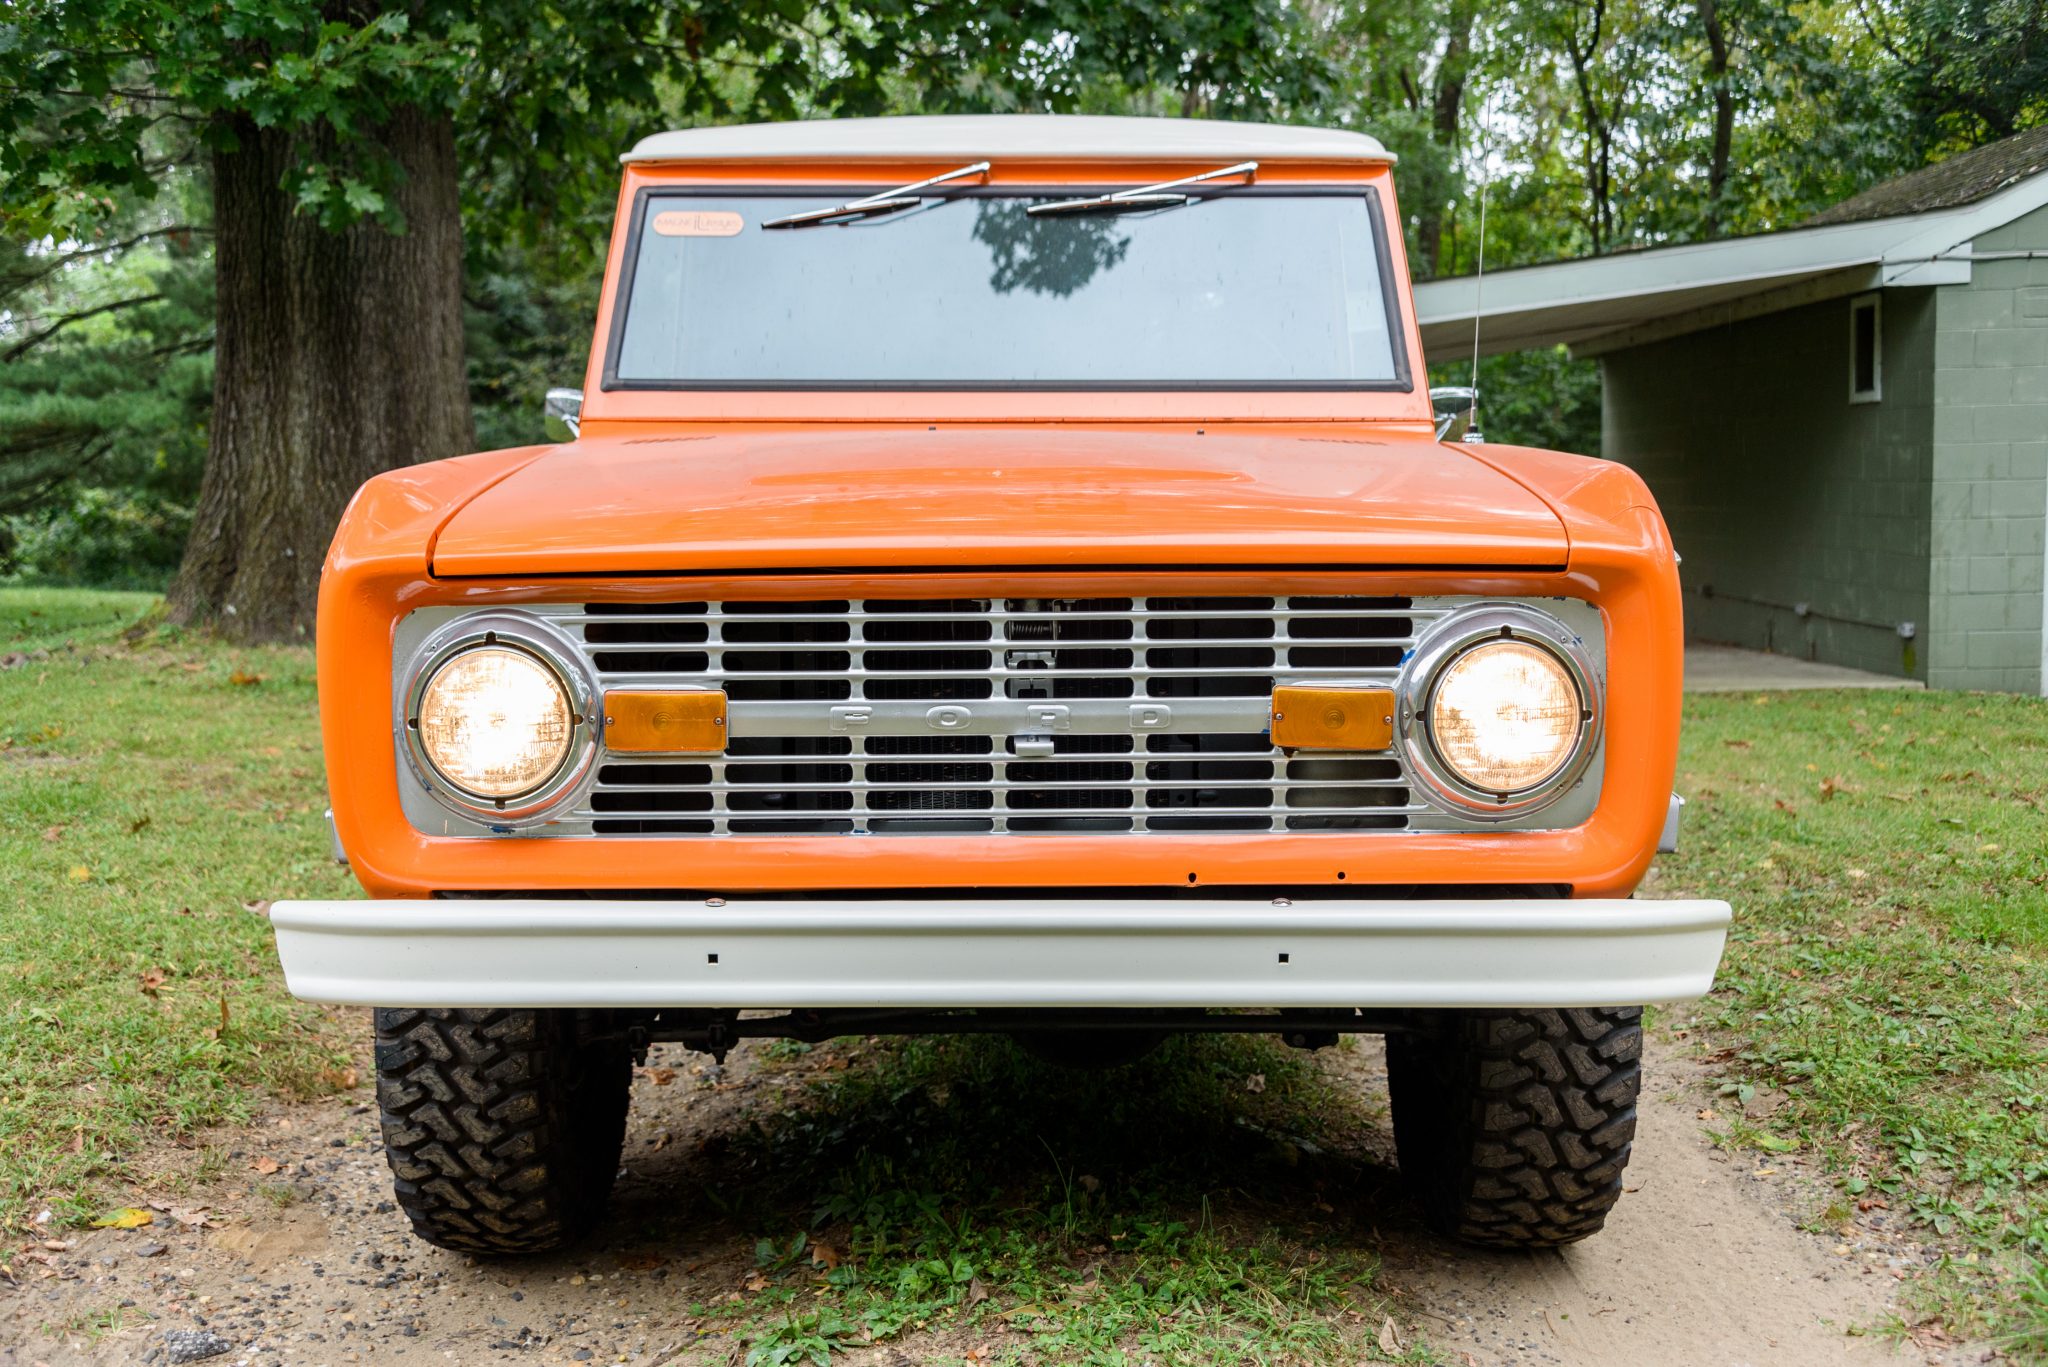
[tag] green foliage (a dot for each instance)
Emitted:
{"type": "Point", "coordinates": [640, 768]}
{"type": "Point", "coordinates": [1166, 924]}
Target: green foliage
{"type": "Point", "coordinates": [104, 398]}
{"type": "Point", "coordinates": [1967, 71]}
{"type": "Point", "coordinates": [1539, 398]}
{"type": "Point", "coordinates": [105, 538]}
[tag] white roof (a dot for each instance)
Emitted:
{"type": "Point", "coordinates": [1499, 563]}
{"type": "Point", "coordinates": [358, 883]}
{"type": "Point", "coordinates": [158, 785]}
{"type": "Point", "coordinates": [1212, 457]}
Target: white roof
{"type": "Point", "coordinates": [1603, 302]}
{"type": "Point", "coordinates": [974, 137]}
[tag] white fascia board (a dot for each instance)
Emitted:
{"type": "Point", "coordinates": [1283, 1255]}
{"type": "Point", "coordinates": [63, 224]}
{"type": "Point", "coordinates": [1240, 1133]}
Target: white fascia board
{"type": "Point", "coordinates": [1917, 249]}
{"type": "Point", "coordinates": [1930, 236]}
{"type": "Point", "coordinates": [1774, 257]}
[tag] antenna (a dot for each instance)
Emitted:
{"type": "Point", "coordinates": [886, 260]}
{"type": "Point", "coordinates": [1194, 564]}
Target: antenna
{"type": "Point", "coordinates": [1479, 279]}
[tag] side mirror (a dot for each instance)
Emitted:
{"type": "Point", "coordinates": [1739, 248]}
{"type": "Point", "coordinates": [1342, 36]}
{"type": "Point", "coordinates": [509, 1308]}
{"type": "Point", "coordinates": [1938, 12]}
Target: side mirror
{"type": "Point", "coordinates": [562, 414]}
{"type": "Point", "coordinates": [1454, 406]}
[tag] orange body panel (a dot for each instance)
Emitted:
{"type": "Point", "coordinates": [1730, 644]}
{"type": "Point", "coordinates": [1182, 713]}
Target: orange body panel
{"type": "Point", "coordinates": [919, 495]}
{"type": "Point", "coordinates": [935, 495]}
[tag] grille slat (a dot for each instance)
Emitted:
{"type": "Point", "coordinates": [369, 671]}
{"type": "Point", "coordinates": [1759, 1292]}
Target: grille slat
{"type": "Point", "coordinates": [999, 716]}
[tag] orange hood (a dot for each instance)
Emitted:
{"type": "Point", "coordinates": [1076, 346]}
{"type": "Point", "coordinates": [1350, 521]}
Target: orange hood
{"type": "Point", "coordinates": [1042, 496]}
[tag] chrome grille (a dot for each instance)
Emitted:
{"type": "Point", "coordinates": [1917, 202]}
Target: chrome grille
{"type": "Point", "coordinates": [1015, 716]}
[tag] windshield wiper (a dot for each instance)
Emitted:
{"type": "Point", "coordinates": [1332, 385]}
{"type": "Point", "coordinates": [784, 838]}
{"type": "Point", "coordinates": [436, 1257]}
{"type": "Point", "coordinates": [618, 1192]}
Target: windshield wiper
{"type": "Point", "coordinates": [875, 205]}
{"type": "Point", "coordinates": [1158, 196]}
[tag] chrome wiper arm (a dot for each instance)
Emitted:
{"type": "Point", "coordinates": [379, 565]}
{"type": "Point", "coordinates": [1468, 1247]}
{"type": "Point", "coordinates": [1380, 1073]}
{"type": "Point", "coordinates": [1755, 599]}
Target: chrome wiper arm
{"type": "Point", "coordinates": [882, 202]}
{"type": "Point", "coordinates": [1158, 196]}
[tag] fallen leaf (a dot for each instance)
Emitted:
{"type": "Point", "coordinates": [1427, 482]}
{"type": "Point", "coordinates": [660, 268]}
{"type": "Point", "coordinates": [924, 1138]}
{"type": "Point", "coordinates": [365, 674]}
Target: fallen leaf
{"type": "Point", "coordinates": [1830, 786]}
{"type": "Point", "coordinates": [57, 1245]}
{"type": "Point", "coordinates": [53, 833]}
{"type": "Point", "coordinates": [660, 1077]}
{"type": "Point", "coordinates": [260, 907]}
{"type": "Point", "coordinates": [137, 826]}
{"type": "Point", "coordinates": [265, 1165]}
{"type": "Point", "coordinates": [757, 1282]}
{"type": "Point", "coordinates": [151, 981]}
{"type": "Point", "coordinates": [242, 678]}
{"type": "Point", "coordinates": [127, 1217]}
{"type": "Point", "coordinates": [1390, 1338]}
{"type": "Point", "coordinates": [1255, 1083]}
{"type": "Point", "coordinates": [341, 1079]}
{"type": "Point", "coordinates": [1736, 744]}
{"type": "Point", "coordinates": [1858, 875]}
{"type": "Point", "coordinates": [80, 874]}
{"type": "Point", "coordinates": [976, 1291]}
{"type": "Point", "coordinates": [824, 1255]}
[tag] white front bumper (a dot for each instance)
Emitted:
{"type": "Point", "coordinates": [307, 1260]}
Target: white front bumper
{"type": "Point", "coordinates": [1092, 952]}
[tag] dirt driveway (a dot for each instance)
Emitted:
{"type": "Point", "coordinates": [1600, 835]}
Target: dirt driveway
{"type": "Point", "coordinates": [1704, 1263]}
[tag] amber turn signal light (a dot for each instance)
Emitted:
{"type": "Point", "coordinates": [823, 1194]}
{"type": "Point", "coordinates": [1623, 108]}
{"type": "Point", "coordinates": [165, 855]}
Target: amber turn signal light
{"type": "Point", "coordinates": [1333, 718]}
{"type": "Point", "coordinates": [677, 722]}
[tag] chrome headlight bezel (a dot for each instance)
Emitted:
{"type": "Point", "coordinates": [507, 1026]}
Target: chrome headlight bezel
{"type": "Point", "coordinates": [561, 657]}
{"type": "Point", "coordinates": [1440, 647]}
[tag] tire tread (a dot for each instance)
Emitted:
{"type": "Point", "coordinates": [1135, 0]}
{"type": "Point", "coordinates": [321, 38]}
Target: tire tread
{"type": "Point", "coordinates": [502, 1127]}
{"type": "Point", "coordinates": [1517, 1125]}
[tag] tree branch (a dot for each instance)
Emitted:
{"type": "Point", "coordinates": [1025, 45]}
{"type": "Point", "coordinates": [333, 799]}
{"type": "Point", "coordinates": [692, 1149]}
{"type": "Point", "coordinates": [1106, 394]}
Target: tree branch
{"type": "Point", "coordinates": [59, 260]}
{"type": "Point", "coordinates": [21, 348]}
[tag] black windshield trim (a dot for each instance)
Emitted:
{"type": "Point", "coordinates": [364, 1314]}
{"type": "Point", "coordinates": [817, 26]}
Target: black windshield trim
{"type": "Point", "coordinates": [1403, 381]}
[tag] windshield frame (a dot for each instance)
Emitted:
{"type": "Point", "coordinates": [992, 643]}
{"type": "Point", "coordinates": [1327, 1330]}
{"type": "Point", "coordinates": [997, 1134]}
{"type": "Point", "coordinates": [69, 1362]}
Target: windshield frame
{"type": "Point", "coordinates": [1391, 295]}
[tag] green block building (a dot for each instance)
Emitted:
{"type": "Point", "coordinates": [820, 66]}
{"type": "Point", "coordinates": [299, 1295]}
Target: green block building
{"type": "Point", "coordinates": [1845, 423]}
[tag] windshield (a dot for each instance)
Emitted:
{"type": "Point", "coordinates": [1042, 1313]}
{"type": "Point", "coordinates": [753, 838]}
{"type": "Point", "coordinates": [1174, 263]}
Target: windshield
{"type": "Point", "coordinates": [1241, 289]}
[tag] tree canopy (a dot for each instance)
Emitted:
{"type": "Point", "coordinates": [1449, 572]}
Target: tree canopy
{"type": "Point", "coordinates": [1596, 125]}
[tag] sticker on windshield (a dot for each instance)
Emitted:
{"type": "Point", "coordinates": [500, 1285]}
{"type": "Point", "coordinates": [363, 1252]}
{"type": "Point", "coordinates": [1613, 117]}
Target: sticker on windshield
{"type": "Point", "coordinates": [697, 223]}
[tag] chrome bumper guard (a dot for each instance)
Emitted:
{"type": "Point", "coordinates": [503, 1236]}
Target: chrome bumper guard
{"type": "Point", "coordinates": [1092, 952]}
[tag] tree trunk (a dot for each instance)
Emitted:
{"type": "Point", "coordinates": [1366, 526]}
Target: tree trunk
{"type": "Point", "coordinates": [1445, 120]}
{"type": "Point", "coordinates": [338, 355]}
{"type": "Point", "coordinates": [1724, 115]}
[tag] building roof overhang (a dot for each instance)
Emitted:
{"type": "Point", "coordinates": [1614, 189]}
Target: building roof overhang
{"type": "Point", "coordinates": [1601, 303]}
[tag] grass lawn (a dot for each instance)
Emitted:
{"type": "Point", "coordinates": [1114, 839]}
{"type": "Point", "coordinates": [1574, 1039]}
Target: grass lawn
{"type": "Point", "coordinates": [152, 789]}
{"type": "Point", "coordinates": [1887, 855]}
{"type": "Point", "coordinates": [1888, 975]}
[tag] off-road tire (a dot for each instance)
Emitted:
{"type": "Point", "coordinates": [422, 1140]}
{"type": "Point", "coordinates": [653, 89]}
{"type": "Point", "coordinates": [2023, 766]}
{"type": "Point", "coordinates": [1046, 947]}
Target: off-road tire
{"type": "Point", "coordinates": [503, 1128]}
{"type": "Point", "coordinates": [1513, 1127]}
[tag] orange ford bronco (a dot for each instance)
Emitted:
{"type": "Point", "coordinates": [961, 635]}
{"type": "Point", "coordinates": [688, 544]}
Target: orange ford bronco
{"type": "Point", "coordinates": [1004, 576]}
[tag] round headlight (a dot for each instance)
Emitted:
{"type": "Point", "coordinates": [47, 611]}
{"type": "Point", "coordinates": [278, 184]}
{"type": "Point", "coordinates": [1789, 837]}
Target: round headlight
{"type": "Point", "coordinates": [1506, 716]}
{"type": "Point", "coordinates": [495, 722]}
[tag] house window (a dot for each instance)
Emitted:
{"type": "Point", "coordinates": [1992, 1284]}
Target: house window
{"type": "Point", "coordinates": [1866, 349]}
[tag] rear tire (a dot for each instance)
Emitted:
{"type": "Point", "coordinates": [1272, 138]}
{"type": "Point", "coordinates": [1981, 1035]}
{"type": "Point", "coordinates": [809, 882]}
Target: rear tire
{"type": "Point", "coordinates": [1513, 1127]}
{"type": "Point", "coordinates": [503, 1128]}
